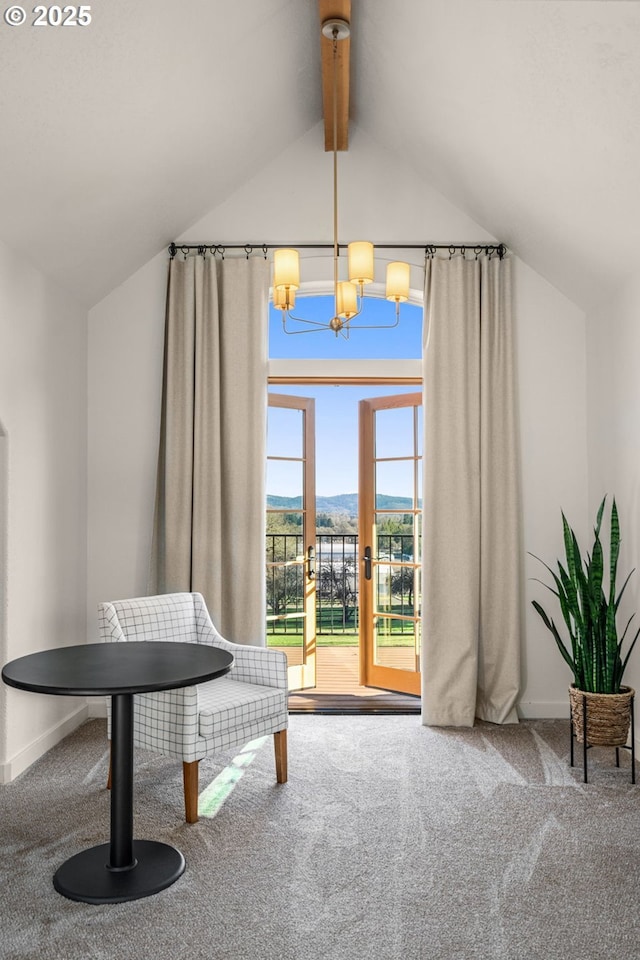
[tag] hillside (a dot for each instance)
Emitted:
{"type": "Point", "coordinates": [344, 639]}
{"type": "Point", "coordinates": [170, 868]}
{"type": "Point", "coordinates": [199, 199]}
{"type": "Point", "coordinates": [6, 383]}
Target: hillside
{"type": "Point", "coordinates": [341, 503]}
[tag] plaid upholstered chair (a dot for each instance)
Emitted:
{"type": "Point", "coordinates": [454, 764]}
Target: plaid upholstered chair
{"type": "Point", "coordinates": [195, 722]}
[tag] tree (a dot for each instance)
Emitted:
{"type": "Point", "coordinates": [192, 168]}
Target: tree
{"type": "Point", "coordinates": [283, 583]}
{"type": "Point", "coordinates": [402, 581]}
{"type": "Point", "coordinates": [336, 583]}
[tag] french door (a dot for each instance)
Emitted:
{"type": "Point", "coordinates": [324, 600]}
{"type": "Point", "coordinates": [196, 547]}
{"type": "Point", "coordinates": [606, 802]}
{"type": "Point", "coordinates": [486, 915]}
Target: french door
{"type": "Point", "coordinates": [291, 535]}
{"type": "Point", "coordinates": [390, 541]}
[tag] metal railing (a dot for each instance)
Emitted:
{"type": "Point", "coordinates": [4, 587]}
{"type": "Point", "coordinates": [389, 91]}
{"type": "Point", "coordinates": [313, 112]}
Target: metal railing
{"type": "Point", "coordinates": [337, 581]}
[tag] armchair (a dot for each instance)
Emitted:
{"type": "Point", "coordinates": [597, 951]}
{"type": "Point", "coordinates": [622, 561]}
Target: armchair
{"type": "Point", "coordinates": [195, 722]}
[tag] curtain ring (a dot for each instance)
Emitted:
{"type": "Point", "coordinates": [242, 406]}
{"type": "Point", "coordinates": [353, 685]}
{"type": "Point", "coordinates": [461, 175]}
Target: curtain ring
{"type": "Point", "coordinates": [264, 250]}
{"type": "Point", "coordinates": [248, 249]}
{"type": "Point", "coordinates": [452, 250]}
{"type": "Point", "coordinates": [185, 250]}
{"type": "Point", "coordinates": [202, 252]}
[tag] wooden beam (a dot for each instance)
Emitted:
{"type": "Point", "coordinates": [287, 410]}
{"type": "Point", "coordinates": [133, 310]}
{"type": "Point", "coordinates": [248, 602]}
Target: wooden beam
{"type": "Point", "coordinates": [335, 9]}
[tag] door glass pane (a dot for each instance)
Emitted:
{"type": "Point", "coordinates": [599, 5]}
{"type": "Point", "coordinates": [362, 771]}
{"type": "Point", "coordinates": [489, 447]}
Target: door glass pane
{"type": "Point", "coordinates": [394, 643]}
{"type": "Point", "coordinates": [285, 608]}
{"type": "Point", "coordinates": [402, 590]}
{"type": "Point", "coordinates": [284, 484]}
{"type": "Point", "coordinates": [284, 432]}
{"type": "Point", "coordinates": [395, 589]}
{"type": "Point", "coordinates": [406, 547]}
{"type": "Point", "coordinates": [382, 587]}
{"type": "Point", "coordinates": [394, 536]}
{"type": "Point", "coordinates": [395, 485]}
{"type": "Point", "coordinates": [394, 432]}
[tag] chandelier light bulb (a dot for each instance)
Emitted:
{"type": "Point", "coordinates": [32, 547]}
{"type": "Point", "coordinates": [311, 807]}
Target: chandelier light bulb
{"type": "Point", "coordinates": [347, 300]}
{"type": "Point", "coordinates": [360, 254]}
{"type": "Point", "coordinates": [397, 282]}
{"type": "Point", "coordinates": [286, 269]}
{"type": "Point", "coordinates": [283, 298]}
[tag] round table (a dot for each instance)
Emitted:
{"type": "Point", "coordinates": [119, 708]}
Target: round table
{"type": "Point", "coordinates": [124, 868]}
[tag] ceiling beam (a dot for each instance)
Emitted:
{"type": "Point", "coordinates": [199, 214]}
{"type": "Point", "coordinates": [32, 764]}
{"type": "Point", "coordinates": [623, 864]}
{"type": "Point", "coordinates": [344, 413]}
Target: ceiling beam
{"type": "Point", "coordinates": [330, 10]}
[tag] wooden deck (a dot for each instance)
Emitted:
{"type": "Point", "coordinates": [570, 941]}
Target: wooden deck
{"type": "Point", "coordinates": [338, 689]}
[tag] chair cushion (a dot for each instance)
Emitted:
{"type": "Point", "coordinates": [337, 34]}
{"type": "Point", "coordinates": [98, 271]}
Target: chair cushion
{"type": "Point", "coordinates": [225, 704]}
{"type": "Point", "coordinates": [167, 617]}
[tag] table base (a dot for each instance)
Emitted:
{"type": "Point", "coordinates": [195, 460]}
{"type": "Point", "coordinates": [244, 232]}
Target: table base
{"type": "Point", "coordinates": [87, 878]}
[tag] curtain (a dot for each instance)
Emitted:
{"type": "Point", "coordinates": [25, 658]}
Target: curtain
{"type": "Point", "coordinates": [472, 594]}
{"type": "Point", "coordinates": [209, 523]}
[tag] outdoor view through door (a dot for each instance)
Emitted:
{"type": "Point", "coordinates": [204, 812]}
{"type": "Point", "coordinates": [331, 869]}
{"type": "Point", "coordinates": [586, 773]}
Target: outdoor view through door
{"type": "Point", "coordinates": [343, 563]}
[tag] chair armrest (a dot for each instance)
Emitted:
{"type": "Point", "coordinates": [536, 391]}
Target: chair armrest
{"type": "Point", "coordinates": [165, 721]}
{"type": "Point", "coordinates": [259, 665]}
{"type": "Point", "coordinates": [251, 664]}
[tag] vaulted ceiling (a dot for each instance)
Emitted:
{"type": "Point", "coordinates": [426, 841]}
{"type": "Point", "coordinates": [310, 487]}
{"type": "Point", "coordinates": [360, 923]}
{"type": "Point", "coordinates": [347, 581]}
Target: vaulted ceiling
{"type": "Point", "coordinates": [523, 113]}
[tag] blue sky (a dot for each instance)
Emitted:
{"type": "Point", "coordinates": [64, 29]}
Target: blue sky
{"type": "Point", "coordinates": [337, 406]}
{"type": "Point", "coordinates": [336, 441]}
{"type": "Point", "coordinates": [401, 342]}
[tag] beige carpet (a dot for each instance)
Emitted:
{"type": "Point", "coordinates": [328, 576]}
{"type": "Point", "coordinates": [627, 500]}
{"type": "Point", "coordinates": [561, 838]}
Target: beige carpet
{"type": "Point", "coordinates": [391, 841]}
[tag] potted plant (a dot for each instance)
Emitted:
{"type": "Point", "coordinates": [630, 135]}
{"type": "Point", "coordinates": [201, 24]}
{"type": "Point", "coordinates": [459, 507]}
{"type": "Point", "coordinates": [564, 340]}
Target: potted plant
{"type": "Point", "coordinates": [589, 607]}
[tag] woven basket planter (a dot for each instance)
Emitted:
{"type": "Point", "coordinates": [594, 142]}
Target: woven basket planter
{"type": "Point", "coordinates": [608, 716]}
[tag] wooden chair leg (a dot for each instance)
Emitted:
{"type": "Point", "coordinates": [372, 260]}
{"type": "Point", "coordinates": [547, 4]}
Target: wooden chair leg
{"type": "Point", "coordinates": [190, 778]}
{"type": "Point", "coordinates": [109, 774]}
{"type": "Point", "coordinates": [280, 744]}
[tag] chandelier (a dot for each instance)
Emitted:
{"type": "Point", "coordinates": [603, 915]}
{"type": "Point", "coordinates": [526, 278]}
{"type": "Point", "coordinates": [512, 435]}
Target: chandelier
{"type": "Point", "coordinates": [348, 294]}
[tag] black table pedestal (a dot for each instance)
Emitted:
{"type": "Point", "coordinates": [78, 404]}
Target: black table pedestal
{"type": "Point", "coordinates": [86, 877]}
{"type": "Point", "coordinates": [123, 869]}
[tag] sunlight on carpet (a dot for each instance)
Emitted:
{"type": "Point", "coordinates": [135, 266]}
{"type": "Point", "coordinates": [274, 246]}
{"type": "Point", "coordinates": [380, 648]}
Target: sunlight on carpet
{"type": "Point", "coordinates": [214, 795]}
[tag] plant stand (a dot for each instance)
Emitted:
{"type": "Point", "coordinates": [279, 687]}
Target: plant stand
{"type": "Point", "coordinates": [587, 746]}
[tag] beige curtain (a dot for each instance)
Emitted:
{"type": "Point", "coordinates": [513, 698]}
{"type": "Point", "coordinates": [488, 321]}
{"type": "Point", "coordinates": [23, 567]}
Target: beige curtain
{"type": "Point", "coordinates": [209, 521]}
{"type": "Point", "coordinates": [472, 584]}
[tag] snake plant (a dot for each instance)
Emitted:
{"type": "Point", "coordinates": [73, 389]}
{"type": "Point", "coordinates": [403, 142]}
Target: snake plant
{"type": "Point", "coordinates": [589, 608]}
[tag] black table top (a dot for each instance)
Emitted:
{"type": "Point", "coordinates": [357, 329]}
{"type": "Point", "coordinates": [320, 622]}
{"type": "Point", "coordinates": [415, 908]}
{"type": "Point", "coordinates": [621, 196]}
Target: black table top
{"type": "Point", "coordinates": [93, 669]}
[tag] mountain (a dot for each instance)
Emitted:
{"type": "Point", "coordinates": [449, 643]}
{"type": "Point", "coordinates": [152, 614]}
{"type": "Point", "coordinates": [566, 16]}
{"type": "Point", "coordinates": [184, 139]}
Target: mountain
{"type": "Point", "coordinates": [345, 503]}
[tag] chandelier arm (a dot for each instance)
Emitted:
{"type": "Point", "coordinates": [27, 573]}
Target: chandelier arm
{"type": "Point", "coordinates": [375, 326]}
{"type": "Point", "coordinates": [292, 333]}
{"type": "Point", "coordinates": [315, 323]}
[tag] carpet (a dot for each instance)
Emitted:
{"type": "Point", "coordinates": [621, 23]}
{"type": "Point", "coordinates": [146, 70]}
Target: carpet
{"type": "Point", "coordinates": [391, 841]}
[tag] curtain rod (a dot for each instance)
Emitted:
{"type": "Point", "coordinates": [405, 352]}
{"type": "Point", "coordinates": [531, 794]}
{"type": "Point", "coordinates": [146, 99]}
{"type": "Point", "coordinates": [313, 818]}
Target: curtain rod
{"type": "Point", "coordinates": [249, 248]}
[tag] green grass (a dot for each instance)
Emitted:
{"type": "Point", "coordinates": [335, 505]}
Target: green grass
{"type": "Point", "coordinates": [337, 640]}
{"type": "Point", "coordinates": [332, 633]}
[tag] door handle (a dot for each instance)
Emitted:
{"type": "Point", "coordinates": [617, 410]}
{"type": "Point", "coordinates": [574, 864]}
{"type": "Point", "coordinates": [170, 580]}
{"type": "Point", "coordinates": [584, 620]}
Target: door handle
{"type": "Point", "coordinates": [367, 563]}
{"type": "Point", "coordinates": [311, 563]}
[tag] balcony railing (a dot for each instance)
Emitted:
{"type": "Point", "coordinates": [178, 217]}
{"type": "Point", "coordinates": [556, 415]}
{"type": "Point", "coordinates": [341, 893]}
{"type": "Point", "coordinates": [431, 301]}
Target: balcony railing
{"type": "Point", "coordinates": [337, 581]}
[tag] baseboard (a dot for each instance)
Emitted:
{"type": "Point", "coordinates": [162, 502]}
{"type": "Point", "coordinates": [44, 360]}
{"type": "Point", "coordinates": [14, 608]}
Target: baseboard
{"type": "Point", "coordinates": [544, 709]}
{"type": "Point", "coordinates": [97, 707]}
{"type": "Point", "coordinates": [12, 768]}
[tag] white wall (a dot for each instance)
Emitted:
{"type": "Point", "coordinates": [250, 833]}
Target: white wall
{"type": "Point", "coordinates": [553, 429]}
{"type": "Point", "coordinates": [126, 341]}
{"type": "Point", "coordinates": [43, 425]}
{"type": "Point", "coordinates": [613, 344]}
{"type": "Point", "coordinates": [290, 201]}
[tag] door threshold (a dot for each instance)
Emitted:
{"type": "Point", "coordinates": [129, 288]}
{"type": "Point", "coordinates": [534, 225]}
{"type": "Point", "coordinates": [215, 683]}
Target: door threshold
{"type": "Point", "coordinates": [380, 702]}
